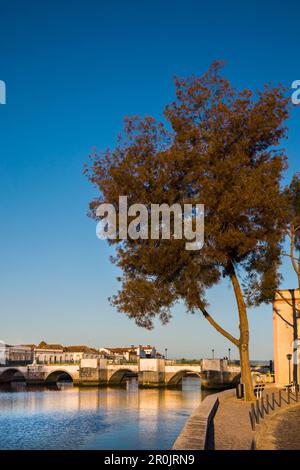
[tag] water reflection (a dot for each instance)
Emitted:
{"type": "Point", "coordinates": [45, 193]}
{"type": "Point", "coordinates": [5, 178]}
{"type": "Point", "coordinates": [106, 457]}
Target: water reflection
{"type": "Point", "coordinates": [67, 417]}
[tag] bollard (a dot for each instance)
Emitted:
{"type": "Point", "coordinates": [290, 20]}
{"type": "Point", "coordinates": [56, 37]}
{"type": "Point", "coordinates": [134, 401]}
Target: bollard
{"type": "Point", "coordinates": [240, 391]}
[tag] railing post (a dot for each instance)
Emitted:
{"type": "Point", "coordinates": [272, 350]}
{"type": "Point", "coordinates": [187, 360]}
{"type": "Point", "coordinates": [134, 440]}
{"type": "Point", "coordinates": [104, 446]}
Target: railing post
{"type": "Point", "coordinates": [262, 407]}
{"type": "Point", "coordinates": [257, 412]}
{"type": "Point", "coordinates": [288, 395]}
{"type": "Point", "coordinates": [252, 417]}
{"type": "Point", "coordinates": [273, 400]}
{"type": "Point", "coordinates": [279, 398]}
{"type": "Point", "coordinates": [267, 404]}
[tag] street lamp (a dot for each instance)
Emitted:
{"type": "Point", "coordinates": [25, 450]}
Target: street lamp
{"type": "Point", "coordinates": [229, 351]}
{"type": "Point", "coordinates": [289, 358]}
{"type": "Point", "coordinates": [213, 353]}
{"type": "Point", "coordinates": [166, 353]}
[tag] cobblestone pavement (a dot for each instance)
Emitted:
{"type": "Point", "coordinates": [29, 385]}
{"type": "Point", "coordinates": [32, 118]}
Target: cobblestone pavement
{"type": "Point", "coordinates": [282, 431]}
{"type": "Point", "coordinates": [232, 428]}
{"type": "Point", "coordinates": [279, 430]}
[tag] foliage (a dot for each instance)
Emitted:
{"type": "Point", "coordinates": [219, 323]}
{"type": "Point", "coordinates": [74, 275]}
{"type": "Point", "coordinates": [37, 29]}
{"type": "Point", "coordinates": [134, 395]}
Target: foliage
{"type": "Point", "coordinates": [220, 147]}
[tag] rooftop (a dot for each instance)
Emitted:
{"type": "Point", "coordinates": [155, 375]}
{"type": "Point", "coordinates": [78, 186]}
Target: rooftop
{"type": "Point", "coordinates": [121, 350]}
{"type": "Point", "coordinates": [44, 345]}
{"type": "Point", "coordinates": [81, 348]}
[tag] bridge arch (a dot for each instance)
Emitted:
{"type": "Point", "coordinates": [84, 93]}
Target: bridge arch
{"type": "Point", "coordinates": [118, 376]}
{"type": "Point", "coordinates": [57, 375]}
{"type": "Point", "coordinates": [11, 375]}
{"type": "Point", "coordinates": [175, 378]}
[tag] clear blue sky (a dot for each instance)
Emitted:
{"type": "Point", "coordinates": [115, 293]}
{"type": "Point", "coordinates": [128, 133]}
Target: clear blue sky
{"type": "Point", "coordinates": [73, 70]}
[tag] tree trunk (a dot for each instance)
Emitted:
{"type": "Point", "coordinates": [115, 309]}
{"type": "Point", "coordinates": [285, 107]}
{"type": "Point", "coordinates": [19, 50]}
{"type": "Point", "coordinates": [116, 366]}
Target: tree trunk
{"type": "Point", "coordinates": [246, 378]}
{"type": "Point", "coordinates": [243, 342]}
{"type": "Point", "coordinates": [244, 336]}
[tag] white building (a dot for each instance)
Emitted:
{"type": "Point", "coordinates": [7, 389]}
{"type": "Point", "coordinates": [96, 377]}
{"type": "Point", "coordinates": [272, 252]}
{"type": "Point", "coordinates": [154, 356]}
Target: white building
{"type": "Point", "coordinates": [57, 354]}
{"type": "Point", "coordinates": [15, 354]}
{"type": "Point", "coordinates": [130, 354]}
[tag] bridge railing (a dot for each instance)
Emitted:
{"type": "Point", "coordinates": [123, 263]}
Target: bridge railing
{"type": "Point", "coordinates": [121, 362]}
{"type": "Point", "coordinates": [15, 364]}
{"type": "Point", "coordinates": [183, 362]}
{"type": "Point", "coordinates": [57, 363]}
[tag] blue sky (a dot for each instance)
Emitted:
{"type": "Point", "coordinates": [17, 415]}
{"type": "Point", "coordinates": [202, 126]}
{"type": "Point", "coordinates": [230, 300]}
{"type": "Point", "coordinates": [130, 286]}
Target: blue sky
{"type": "Point", "coordinates": [73, 70]}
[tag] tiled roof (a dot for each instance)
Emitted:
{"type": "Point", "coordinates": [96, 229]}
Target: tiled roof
{"type": "Point", "coordinates": [81, 348]}
{"type": "Point", "coordinates": [44, 345]}
{"type": "Point", "coordinates": [120, 350]}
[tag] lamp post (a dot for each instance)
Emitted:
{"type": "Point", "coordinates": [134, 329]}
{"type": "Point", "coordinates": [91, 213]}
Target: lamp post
{"type": "Point", "coordinates": [289, 358]}
{"type": "Point", "coordinates": [166, 353]}
{"type": "Point", "coordinates": [229, 351]}
{"type": "Point", "coordinates": [213, 353]}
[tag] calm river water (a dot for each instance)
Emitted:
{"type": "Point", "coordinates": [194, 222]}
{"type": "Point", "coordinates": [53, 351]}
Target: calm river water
{"type": "Point", "coordinates": [94, 418]}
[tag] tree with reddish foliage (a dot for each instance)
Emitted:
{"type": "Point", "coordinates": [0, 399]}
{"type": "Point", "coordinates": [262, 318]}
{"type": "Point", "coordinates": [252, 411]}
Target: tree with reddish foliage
{"type": "Point", "coordinates": [220, 147]}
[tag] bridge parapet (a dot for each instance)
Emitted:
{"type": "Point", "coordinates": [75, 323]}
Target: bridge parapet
{"type": "Point", "coordinates": [154, 372]}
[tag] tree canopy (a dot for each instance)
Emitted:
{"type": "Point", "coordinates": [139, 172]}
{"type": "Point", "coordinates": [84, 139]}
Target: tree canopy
{"type": "Point", "coordinates": [217, 146]}
{"type": "Point", "coordinates": [292, 193]}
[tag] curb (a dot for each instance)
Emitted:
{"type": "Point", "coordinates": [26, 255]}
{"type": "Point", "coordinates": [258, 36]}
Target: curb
{"type": "Point", "coordinates": [195, 433]}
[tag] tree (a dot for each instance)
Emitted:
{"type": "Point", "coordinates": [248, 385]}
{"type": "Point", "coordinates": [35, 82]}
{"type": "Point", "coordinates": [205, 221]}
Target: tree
{"type": "Point", "coordinates": [292, 232]}
{"type": "Point", "coordinates": [293, 224]}
{"type": "Point", "coordinates": [219, 147]}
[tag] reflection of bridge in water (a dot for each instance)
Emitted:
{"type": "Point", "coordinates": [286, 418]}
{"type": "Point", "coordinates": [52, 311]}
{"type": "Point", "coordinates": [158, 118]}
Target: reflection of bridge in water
{"type": "Point", "coordinates": [213, 373]}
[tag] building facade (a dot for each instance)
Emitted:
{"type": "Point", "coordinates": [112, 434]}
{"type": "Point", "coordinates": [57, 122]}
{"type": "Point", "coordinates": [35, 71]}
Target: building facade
{"type": "Point", "coordinates": [11, 355]}
{"type": "Point", "coordinates": [130, 354]}
{"type": "Point", "coordinates": [286, 322]}
{"type": "Point", "coordinates": [120, 354]}
{"type": "Point", "coordinates": [57, 354]}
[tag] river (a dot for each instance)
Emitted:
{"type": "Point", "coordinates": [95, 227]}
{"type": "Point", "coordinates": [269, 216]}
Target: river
{"type": "Point", "coordinates": [67, 417]}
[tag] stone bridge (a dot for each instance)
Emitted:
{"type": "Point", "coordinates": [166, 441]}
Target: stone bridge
{"type": "Point", "coordinates": [175, 373]}
{"type": "Point", "coordinates": [40, 374]}
{"type": "Point", "coordinates": [214, 374]}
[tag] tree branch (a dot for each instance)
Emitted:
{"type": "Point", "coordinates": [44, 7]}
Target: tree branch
{"type": "Point", "coordinates": [286, 301]}
{"type": "Point", "coordinates": [282, 318]}
{"type": "Point", "coordinates": [289, 256]}
{"type": "Point", "coordinates": [218, 327]}
{"type": "Point", "coordinates": [292, 251]}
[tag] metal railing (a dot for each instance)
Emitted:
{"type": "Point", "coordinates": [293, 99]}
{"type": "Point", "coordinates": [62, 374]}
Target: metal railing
{"type": "Point", "coordinates": [268, 403]}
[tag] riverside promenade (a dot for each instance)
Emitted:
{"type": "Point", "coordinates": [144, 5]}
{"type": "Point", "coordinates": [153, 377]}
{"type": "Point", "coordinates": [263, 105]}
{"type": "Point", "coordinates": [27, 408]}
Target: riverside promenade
{"type": "Point", "coordinates": [222, 422]}
{"type": "Point", "coordinates": [232, 427]}
{"type": "Point", "coordinates": [280, 431]}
